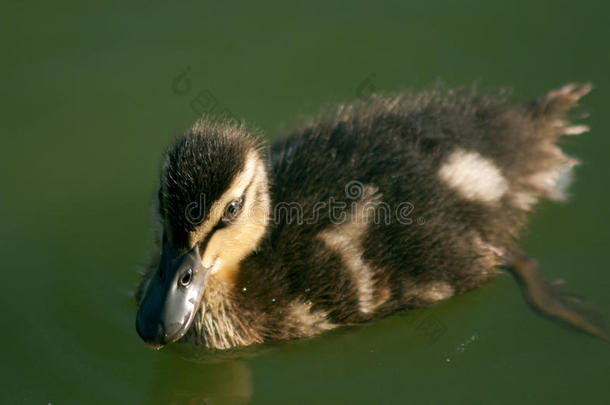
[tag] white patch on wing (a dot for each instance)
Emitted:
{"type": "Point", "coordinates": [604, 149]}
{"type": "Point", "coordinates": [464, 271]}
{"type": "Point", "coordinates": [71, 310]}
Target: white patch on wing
{"type": "Point", "coordinates": [346, 240]}
{"type": "Point", "coordinates": [473, 176]}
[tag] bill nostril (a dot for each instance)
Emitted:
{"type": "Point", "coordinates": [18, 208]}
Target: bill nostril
{"type": "Point", "coordinates": [186, 278]}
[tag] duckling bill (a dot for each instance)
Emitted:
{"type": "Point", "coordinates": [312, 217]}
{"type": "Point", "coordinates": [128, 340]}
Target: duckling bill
{"type": "Point", "coordinates": [382, 205]}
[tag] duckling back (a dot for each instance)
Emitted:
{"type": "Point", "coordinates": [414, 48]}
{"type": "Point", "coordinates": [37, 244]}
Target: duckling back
{"type": "Point", "coordinates": [392, 203]}
{"type": "Point", "coordinates": [465, 168]}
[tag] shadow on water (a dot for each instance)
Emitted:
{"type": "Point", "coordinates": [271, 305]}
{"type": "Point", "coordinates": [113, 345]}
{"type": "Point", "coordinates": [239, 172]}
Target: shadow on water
{"type": "Point", "coordinates": [182, 381]}
{"type": "Point", "coordinates": [194, 375]}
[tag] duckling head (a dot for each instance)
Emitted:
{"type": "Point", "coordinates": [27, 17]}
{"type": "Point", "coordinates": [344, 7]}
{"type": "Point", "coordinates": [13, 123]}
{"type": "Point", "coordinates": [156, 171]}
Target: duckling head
{"type": "Point", "coordinates": [212, 206]}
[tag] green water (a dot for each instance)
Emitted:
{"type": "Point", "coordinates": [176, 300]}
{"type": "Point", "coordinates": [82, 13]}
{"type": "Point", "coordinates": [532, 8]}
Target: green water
{"type": "Point", "coordinates": [88, 102]}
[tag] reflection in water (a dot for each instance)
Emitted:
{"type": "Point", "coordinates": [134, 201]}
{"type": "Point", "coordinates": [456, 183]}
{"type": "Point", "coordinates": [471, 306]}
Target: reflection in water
{"type": "Point", "coordinates": [203, 381]}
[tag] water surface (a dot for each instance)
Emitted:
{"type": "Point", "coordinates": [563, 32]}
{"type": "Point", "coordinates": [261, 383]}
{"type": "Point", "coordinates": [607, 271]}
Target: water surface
{"type": "Point", "coordinates": [90, 100]}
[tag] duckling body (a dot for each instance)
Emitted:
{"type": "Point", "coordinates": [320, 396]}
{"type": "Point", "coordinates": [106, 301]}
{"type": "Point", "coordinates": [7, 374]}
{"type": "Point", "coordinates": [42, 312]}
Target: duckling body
{"type": "Point", "coordinates": [383, 205]}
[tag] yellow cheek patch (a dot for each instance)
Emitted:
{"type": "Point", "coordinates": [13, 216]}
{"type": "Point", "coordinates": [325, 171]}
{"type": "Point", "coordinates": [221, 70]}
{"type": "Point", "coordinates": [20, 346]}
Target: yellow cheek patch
{"type": "Point", "coordinates": [228, 246]}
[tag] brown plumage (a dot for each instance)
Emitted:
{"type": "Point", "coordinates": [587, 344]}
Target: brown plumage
{"type": "Point", "coordinates": [387, 204]}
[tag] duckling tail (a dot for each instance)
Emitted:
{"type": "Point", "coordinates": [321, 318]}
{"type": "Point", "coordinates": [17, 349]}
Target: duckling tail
{"type": "Point", "coordinates": [543, 170]}
{"type": "Point", "coordinates": [546, 299]}
{"type": "Point", "coordinates": [559, 101]}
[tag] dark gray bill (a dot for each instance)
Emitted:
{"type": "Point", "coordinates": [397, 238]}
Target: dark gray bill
{"type": "Point", "coordinates": [172, 298]}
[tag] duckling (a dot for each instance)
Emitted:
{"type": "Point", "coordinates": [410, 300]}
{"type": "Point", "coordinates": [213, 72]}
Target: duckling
{"type": "Point", "coordinates": [382, 205]}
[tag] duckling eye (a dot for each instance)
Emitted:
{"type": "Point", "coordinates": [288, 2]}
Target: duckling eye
{"type": "Point", "coordinates": [231, 210]}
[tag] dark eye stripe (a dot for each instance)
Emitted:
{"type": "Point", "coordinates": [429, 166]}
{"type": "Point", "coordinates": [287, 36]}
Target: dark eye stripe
{"type": "Point", "coordinates": [204, 243]}
{"type": "Point", "coordinates": [222, 224]}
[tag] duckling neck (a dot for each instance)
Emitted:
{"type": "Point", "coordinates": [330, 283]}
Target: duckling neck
{"type": "Point", "coordinates": [220, 322]}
